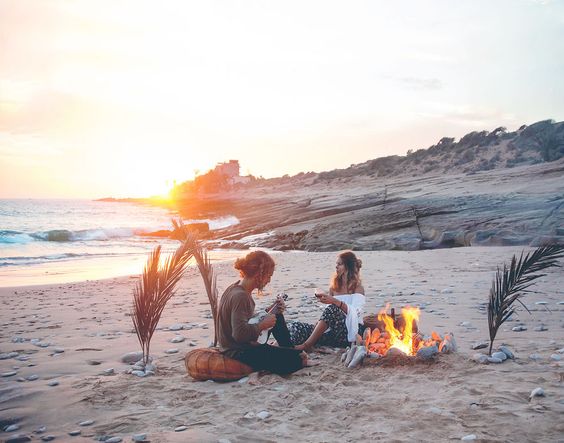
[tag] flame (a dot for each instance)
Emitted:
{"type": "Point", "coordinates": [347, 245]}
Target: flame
{"type": "Point", "coordinates": [402, 340]}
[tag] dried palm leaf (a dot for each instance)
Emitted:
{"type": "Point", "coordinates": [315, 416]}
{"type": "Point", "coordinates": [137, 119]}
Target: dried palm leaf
{"type": "Point", "coordinates": [510, 283]}
{"type": "Point", "coordinates": [205, 267]}
{"type": "Point", "coordinates": [155, 288]}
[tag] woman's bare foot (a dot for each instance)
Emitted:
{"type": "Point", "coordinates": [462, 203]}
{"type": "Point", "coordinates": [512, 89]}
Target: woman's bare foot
{"type": "Point", "coordinates": [307, 363]}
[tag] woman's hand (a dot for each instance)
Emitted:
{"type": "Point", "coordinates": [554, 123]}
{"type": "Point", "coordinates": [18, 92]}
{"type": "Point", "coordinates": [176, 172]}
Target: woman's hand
{"type": "Point", "coordinates": [267, 322]}
{"type": "Point", "coordinates": [326, 299]}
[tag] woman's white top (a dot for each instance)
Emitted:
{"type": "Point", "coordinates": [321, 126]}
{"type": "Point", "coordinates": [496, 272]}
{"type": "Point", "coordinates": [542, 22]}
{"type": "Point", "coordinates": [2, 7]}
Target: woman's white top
{"type": "Point", "coordinates": [355, 304]}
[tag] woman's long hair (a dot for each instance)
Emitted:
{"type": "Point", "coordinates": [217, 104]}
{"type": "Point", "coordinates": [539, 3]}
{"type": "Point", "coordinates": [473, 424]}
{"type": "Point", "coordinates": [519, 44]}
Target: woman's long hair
{"type": "Point", "coordinates": [258, 265]}
{"type": "Point", "coordinates": [349, 280]}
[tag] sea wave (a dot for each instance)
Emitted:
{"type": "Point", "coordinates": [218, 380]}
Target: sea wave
{"type": "Point", "coordinates": [31, 260]}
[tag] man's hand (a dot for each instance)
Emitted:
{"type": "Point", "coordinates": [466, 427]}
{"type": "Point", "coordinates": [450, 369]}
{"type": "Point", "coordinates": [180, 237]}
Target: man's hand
{"type": "Point", "coordinates": [267, 322]}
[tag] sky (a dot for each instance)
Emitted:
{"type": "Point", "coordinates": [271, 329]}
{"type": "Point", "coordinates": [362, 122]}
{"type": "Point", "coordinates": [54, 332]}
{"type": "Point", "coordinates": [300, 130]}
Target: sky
{"type": "Point", "coordinates": [121, 98]}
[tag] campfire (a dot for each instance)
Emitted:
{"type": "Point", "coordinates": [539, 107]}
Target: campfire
{"type": "Point", "coordinates": [391, 334]}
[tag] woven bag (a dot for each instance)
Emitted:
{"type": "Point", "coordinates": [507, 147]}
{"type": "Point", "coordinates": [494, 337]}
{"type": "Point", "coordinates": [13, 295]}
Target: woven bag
{"type": "Point", "coordinates": [209, 364]}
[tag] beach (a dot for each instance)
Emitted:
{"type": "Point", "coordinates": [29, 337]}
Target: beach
{"type": "Point", "coordinates": [63, 343]}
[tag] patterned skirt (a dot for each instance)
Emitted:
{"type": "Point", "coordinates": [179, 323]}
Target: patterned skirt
{"type": "Point", "coordinates": [335, 336]}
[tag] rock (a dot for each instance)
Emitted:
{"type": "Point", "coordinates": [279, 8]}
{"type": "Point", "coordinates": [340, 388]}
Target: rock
{"type": "Point", "coordinates": [11, 428]}
{"type": "Point", "coordinates": [113, 440]}
{"type": "Point", "coordinates": [495, 360]}
{"type": "Point", "coordinates": [171, 351]}
{"type": "Point", "coordinates": [180, 428]}
{"type": "Point", "coordinates": [448, 344]}
{"type": "Point", "coordinates": [345, 354]}
{"type": "Point", "coordinates": [139, 437]}
{"type": "Point", "coordinates": [358, 357]}
{"type": "Point", "coordinates": [501, 355]}
{"type": "Point", "coordinates": [507, 352]}
{"type": "Point", "coordinates": [7, 355]}
{"type": "Point", "coordinates": [17, 438]}
{"type": "Point", "coordinates": [48, 437]}
{"type": "Point", "coordinates": [556, 357]}
{"type": "Point", "coordinates": [58, 350]}
{"type": "Point", "coordinates": [9, 374]}
{"type": "Point", "coordinates": [350, 355]}
{"type": "Point", "coordinates": [86, 423]}
{"type": "Point", "coordinates": [131, 357]}
{"type": "Point", "coordinates": [542, 303]}
{"type": "Point", "coordinates": [53, 383]}
{"type": "Point", "coordinates": [176, 327]}
{"type": "Point", "coordinates": [540, 328]}
{"type": "Point", "coordinates": [519, 328]}
{"type": "Point", "coordinates": [94, 362]}
{"type": "Point", "coordinates": [480, 358]}
{"type": "Point", "coordinates": [32, 377]}
{"type": "Point", "coordinates": [74, 433]}
{"type": "Point", "coordinates": [177, 339]}
{"type": "Point", "coordinates": [469, 437]}
{"type": "Point", "coordinates": [535, 357]}
{"type": "Point", "coordinates": [446, 291]}
{"type": "Point", "coordinates": [150, 367]}
{"type": "Point", "coordinates": [249, 415]}
{"type": "Point", "coordinates": [480, 345]}
{"type": "Point", "coordinates": [139, 373]}
{"type": "Point", "coordinates": [243, 380]}
{"type": "Point", "coordinates": [427, 352]}
{"type": "Point", "coordinates": [40, 430]}
{"type": "Point", "coordinates": [263, 415]}
{"type": "Point", "coordinates": [193, 343]}
{"type": "Point", "coordinates": [466, 324]}
{"type": "Point", "coordinates": [537, 392]}
{"type": "Point", "coordinates": [109, 371]}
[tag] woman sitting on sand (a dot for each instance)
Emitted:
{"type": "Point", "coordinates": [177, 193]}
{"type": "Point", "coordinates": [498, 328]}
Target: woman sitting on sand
{"type": "Point", "coordinates": [339, 322]}
{"type": "Point", "coordinates": [237, 338]}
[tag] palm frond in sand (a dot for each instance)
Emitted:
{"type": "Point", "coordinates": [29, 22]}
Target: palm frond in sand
{"type": "Point", "coordinates": [155, 288]}
{"type": "Point", "coordinates": [204, 265]}
{"type": "Point", "coordinates": [510, 283]}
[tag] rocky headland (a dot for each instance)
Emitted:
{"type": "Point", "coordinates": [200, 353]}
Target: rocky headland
{"type": "Point", "coordinates": [489, 188]}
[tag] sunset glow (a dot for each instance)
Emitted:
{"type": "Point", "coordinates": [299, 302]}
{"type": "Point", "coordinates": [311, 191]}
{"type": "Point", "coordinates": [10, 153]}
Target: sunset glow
{"type": "Point", "coordinates": [122, 98]}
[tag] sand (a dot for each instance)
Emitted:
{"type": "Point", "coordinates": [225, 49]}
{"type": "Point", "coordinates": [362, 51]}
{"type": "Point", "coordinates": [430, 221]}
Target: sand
{"type": "Point", "coordinates": [439, 401]}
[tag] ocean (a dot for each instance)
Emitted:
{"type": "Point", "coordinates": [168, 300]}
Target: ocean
{"type": "Point", "coordinates": [58, 241]}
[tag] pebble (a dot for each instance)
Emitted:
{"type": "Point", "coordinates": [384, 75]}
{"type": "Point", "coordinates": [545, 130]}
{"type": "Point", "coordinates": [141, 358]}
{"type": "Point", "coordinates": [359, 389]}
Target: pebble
{"type": "Point", "coordinates": [139, 437]}
{"type": "Point", "coordinates": [263, 415]}
{"type": "Point", "coordinates": [132, 357]}
{"type": "Point", "coordinates": [180, 428]}
{"type": "Point", "coordinates": [535, 357]}
{"type": "Point", "coordinates": [495, 359]}
{"type": "Point", "coordinates": [109, 371]}
{"type": "Point", "coordinates": [139, 373]}
{"type": "Point", "coordinates": [9, 374]}
{"type": "Point", "coordinates": [40, 430]}
{"type": "Point", "coordinates": [446, 291]}
{"type": "Point", "coordinates": [541, 303]}
{"type": "Point", "coordinates": [74, 433]}
{"type": "Point", "coordinates": [480, 345]}
{"type": "Point", "coordinates": [113, 440]}
{"type": "Point", "coordinates": [480, 358]}
{"type": "Point", "coordinates": [94, 362]}
{"type": "Point", "coordinates": [171, 351]}
{"type": "Point", "coordinates": [243, 380]}
{"type": "Point", "coordinates": [53, 383]}
{"type": "Point", "coordinates": [58, 350]}
{"type": "Point", "coordinates": [537, 392]}
{"type": "Point", "coordinates": [501, 355]}
{"type": "Point", "coordinates": [249, 415]}
{"type": "Point", "coordinates": [556, 357]}
{"type": "Point", "coordinates": [507, 352]}
{"type": "Point", "coordinates": [32, 377]}
{"type": "Point", "coordinates": [7, 355]}
{"type": "Point", "coordinates": [177, 339]}
{"type": "Point", "coordinates": [11, 428]}
{"type": "Point", "coordinates": [17, 438]}
{"type": "Point", "coordinates": [47, 437]}
{"type": "Point", "coordinates": [519, 328]}
{"type": "Point", "coordinates": [193, 343]}
{"type": "Point", "coordinates": [427, 352]}
{"type": "Point", "coordinates": [466, 324]}
{"type": "Point", "coordinates": [86, 423]}
{"type": "Point", "coordinates": [469, 437]}
{"type": "Point", "coordinates": [175, 327]}
{"type": "Point", "coordinates": [540, 328]}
